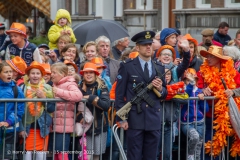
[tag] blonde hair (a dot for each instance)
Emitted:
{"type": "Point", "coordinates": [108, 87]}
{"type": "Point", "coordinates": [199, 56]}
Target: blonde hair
{"type": "Point", "coordinates": [65, 38]}
{"type": "Point", "coordinates": [61, 68]}
{"type": "Point", "coordinates": [3, 64]}
{"type": "Point", "coordinates": [231, 43]}
{"type": "Point", "coordinates": [90, 43]}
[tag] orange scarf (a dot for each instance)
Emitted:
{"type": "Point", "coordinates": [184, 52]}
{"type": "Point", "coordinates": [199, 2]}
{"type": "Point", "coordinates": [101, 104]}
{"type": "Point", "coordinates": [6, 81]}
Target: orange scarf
{"type": "Point", "coordinates": [222, 124]}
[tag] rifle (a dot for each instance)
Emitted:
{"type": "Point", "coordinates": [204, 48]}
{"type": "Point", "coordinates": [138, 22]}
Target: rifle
{"type": "Point", "coordinates": [141, 94]}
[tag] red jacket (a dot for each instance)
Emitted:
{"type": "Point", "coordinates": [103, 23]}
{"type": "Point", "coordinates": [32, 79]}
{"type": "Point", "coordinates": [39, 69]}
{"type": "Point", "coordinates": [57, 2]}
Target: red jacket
{"type": "Point", "coordinates": [214, 43]}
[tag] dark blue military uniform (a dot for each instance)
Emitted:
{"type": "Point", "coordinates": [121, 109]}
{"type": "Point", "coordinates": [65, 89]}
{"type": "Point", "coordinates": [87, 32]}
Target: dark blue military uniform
{"type": "Point", "coordinates": [144, 128]}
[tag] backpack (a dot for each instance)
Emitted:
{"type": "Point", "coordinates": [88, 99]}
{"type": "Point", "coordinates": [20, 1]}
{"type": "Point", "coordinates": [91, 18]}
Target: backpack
{"type": "Point", "coordinates": [15, 91]}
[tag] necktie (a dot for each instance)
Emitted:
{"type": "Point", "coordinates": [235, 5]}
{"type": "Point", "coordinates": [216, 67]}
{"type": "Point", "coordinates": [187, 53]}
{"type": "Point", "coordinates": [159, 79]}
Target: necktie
{"type": "Point", "coordinates": [146, 71]}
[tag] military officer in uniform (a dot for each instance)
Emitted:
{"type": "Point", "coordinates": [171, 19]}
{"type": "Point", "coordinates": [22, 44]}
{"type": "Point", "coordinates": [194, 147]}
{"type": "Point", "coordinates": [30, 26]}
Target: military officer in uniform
{"type": "Point", "coordinates": [143, 129]}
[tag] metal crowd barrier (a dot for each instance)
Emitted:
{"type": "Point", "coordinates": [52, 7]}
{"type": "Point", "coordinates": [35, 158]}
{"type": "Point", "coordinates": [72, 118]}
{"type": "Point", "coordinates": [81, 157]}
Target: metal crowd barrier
{"type": "Point", "coordinates": [178, 152]}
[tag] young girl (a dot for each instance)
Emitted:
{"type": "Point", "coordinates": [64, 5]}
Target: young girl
{"type": "Point", "coordinates": [66, 88]}
{"type": "Point", "coordinates": [70, 52]}
{"type": "Point", "coordinates": [72, 67]}
{"type": "Point", "coordinates": [61, 27]}
{"type": "Point", "coordinates": [37, 116]}
{"type": "Point", "coordinates": [188, 117]}
{"type": "Point", "coordinates": [12, 118]}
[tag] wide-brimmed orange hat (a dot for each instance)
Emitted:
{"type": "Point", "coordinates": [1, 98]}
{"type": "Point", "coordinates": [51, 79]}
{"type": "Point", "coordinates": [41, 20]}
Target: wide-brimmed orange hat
{"type": "Point", "coordinates": [98, 62]}
{"type": "Point", "coordinates": [190, 38]}
{"type": "Point", "coordinates": [67, 62]}
{"type": "Point", "coordinates": [166, 47]}
{"type": "Point", "coordinates": [215, 51]}
{"type": "Point", "coordinates": [47, 68]}
{"type": "Point", "coordinates": [133, 55]}
{"type": "Point", "coordinates": [89, 67]}
{"type": "Point", "coordinates": [18, 64]}
{"type": "Point", "coordinates": [36, 65]}
{"type": "Point", "coordinates": [17, 28]}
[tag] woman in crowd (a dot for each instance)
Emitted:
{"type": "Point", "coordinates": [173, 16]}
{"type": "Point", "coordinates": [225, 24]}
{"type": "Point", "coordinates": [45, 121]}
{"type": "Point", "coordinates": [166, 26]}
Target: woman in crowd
{"type": "Point", "coordinates": [36, 120]}
{"type": "Point", "coordinates": [97, 95]}
{"type": "Point", "coordinates": [90, 52]}
{"type": "Point", "coordinates": [66, 88]}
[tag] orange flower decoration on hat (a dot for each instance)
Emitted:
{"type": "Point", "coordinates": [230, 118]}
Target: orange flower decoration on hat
{"type": "Point", "coordinates": [166, 47]}
{"type": "Point", "coordinates": [133, 55]}
{"type": "Point", "coordinates": [17, 28]}
{"type": "Point", "coordinates": [17, 64]}
{"type": "Point", "coordinates": [215, 51]}
{"type": "Point", "coordinates": [221, 122]}
{"type": "Point", "coordinates": [67, 62]}
{"type": "Point", "coordinates": [190, 38]}
{"type": "Point", "coordinates": [47, 68]}
{"type": "Point", "coordinates": [98, 62]}
{"type": "Point", "coordinates": [36, 65]}
{"type": "Point", "coordinates": [88, 67]}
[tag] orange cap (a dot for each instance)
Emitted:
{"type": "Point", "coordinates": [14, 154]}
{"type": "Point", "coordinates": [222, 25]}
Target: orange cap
{"type": "Point", "coordinates": [18, 64]}
{"type": "Point", "coordinates": [47, 68]}
{"type": "Point", "coordinates": [36, 65]}
{"type": "Point", "coordinates": [67, 62]}
{"type": "Point", "coordinates": [89, 67]}
{"type": "Point", "coordinates": [98, 62]}
{"type": "Point", "coordinates": [133, 55]}
{"type": "Point", "coordinates": [17, 28]}
{"type": "Point", "coordinates": [166, 47]}
{"type": "Point", "coordinates": [192, 71]}
{"type": "Point", "coordinates": [190, 38]}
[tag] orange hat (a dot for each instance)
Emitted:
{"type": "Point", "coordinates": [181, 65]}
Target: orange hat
{"type": "Point", "coordinates": [215, 51]}
{"type": "Point", "coordinates": [133, 55]}
{"type": "Point", "coordinates": [17, 28]}
{"type": "Point", "coordinates": [18, 64]}
{"type": "Point", "coordinates": [192, 71]}
{"type": "Point", "coordinates": [166, 47]}
{"type": "Point", "coordinates": [47, 68]}
{"type": "Point", "coordinates": [67, 62]}
{"type": "Point", "coordinates": [189, 38]}
{"type": "Point", "coordinates": [36, 65]}
{"type": "Point", "coordinates": [99, 62]}
{"type": "Point", "coordinates": [89, 67]}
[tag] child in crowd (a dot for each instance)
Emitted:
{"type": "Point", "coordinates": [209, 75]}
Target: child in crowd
{"type": "Point", "coordinates": [66, 88]}
{"type": "Point", "coordinates": [14, 112]}
{"type": "Point", "coordinates": [4, 41]}
{"type": "Point", "coordinates": [62, 27]}
{"type": "Point", "coordinates": [192, 116]}
{"type": "Point", "coordinates": [72, 68]}
{"type": "Point", "coordinates": [20, 46]}
{"type": "Point", "coordinates": [37, 118]}
{"type": "Point", "coordinates": [47, 76]}
{"type": "Point", "coordinates": [18, 65]}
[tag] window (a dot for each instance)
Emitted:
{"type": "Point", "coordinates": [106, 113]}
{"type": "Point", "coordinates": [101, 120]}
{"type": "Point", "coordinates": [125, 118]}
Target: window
{"type": "Point", "coordinates": [206, 1]}
{"type": "Point", "coordinates": [203, 3]}
{"type": "Point", "coordinates": [140, 4]}
{"type": "Point", "coordinates": [235, 1]}
{"type": "Point", "coordinates": [231, 3]}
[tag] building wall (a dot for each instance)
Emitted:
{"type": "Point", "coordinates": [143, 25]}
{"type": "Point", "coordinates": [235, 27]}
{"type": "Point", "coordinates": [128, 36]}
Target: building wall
{"type": "Point", "coordinates": [189, 4]}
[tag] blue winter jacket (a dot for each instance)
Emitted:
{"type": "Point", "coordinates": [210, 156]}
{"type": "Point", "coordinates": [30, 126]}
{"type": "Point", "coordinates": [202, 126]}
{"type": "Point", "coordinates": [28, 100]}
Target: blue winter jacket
{"type": "Point", "coordinates": [196, 108]}
{"type": "Point", "coordinates": [106, 80]}
{"type": "Point", "coordinates": [223, 39]}
{"type": "Point", "coordinates": [12, 117]}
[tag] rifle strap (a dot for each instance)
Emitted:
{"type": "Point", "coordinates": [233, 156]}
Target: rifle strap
{"type": "Point", "coordinates": [156, 68]}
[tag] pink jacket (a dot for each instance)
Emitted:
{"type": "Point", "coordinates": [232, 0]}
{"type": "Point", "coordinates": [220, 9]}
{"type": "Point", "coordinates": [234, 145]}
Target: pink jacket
{"type": "Point", "coordinates": [67, 89]}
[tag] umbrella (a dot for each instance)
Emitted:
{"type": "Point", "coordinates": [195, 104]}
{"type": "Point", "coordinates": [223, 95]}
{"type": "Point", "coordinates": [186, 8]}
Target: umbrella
{"type": "Point", "coordinates": [92, 29]}
{"type": "Point", "coordinates": [233, 112]}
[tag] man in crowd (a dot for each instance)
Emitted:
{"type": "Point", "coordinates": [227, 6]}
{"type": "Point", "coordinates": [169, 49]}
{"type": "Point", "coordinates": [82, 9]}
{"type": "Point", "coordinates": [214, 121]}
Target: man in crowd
{"type": "Point", "coordinates": [103, 50]}
{"type": "Point", "coordinates": [119, 46]}
{"type": "Point", "coordinates": [221, 35]}
{"type": "Point", "coordinates": [207, 39]}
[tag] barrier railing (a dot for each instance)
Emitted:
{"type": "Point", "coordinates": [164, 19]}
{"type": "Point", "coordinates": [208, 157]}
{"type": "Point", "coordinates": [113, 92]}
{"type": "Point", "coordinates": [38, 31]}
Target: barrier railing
{"type": "Point", "coordinates": [173, 143]}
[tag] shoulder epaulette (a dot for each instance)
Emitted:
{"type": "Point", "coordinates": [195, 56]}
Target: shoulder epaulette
{"type": "Point", "coordinates": [127, 60]}
{"type": "Point", "coordinates": [158, 63]}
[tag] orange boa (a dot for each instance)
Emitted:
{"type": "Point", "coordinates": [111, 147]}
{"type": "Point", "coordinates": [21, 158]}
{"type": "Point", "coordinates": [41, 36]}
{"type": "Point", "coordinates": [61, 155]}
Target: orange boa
{"type": "Point", "coordinates": [222, 124]}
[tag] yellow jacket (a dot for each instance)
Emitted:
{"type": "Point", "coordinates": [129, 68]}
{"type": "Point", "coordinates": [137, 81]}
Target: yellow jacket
{"type": "Point", "coordinates": [54, 31]}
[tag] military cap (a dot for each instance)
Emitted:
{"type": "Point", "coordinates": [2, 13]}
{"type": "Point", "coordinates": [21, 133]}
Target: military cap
{"type": "Point", "coordinates": [207, 32]}
{"type": "Point", "coordinates": [144, 37]}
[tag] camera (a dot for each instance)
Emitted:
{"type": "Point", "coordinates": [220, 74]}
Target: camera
{"type": "Point", "coordinates": [47, 52]}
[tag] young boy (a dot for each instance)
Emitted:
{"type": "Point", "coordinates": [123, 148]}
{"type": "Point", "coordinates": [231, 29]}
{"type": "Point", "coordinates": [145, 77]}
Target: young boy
{"type": "Point", "coordinates": [20, 46]}
{"type": "Point", "coordinates": [61, 27]}
{"type": "Point", "coordinates": [192, 116]}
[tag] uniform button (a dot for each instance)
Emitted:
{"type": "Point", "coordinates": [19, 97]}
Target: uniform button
{"type": "Point", "coordinates": [146, 105]}
{"type": "Point", "coordinates": [158, 109]}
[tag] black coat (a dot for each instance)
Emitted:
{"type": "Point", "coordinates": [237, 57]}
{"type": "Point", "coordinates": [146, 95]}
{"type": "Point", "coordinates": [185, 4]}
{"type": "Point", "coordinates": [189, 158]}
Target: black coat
{"type": "Point", "coordinates": [196, 63]}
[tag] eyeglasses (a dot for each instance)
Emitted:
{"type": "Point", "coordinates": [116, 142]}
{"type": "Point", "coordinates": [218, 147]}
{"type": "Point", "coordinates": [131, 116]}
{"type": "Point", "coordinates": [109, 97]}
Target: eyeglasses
{"type": "Point", "coordinates": [166, 54]}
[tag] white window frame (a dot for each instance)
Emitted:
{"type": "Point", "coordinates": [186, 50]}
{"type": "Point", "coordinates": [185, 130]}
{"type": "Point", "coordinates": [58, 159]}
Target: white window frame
{"type": "Point", "coordinates": [140, 5]}
{"type": "Point", "coordinates": [199, 4]}
{"type": "Point", "coordinates": [179, 4]}
{"type": "Point", "coordinates": [229, 4]}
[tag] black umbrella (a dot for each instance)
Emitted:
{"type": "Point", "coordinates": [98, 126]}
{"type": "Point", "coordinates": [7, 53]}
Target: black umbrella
{"type": "Point", "coordinates": [92, 29]}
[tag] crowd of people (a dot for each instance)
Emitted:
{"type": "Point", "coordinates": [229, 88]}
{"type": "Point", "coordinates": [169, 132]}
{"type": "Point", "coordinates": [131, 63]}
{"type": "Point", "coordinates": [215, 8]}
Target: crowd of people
{"type": "Point", "coordinates": [99, 72]}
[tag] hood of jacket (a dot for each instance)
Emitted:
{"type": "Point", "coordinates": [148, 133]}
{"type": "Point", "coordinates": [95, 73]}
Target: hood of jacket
{"type": "Point", "coordinates": [66, 79]}
{"type": "Point", "coordinates": [166, 32]}
{"type": "Point", "coordinates": [62, 13]}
